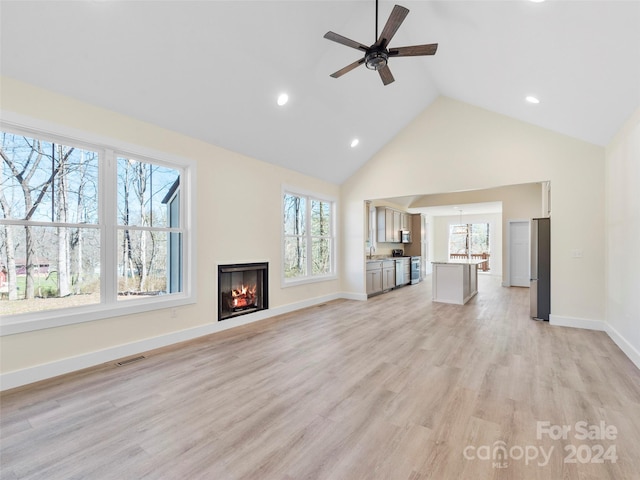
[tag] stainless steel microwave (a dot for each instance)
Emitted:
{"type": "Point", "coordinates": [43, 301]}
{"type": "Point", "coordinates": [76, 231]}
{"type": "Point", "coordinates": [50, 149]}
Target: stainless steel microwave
{"type": "Point", "coordinates": [405, 236]}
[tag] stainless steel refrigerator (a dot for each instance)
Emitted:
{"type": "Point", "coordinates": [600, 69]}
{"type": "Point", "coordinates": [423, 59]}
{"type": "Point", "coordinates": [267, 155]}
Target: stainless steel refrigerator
{"type": "Point", "coordinates": [540, 285]}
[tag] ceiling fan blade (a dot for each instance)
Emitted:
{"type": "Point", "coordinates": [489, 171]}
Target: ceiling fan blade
{"type": "Point", "coordinates": [385, 75]}
{"type": "Point", "coordinates": [345, 41]}
{"type": "Point", "coordinates": [414, 50]}
{"type": "Point", "coordinates": [396, 18]}
{"type": "Point", "coordinates": [348, 68]}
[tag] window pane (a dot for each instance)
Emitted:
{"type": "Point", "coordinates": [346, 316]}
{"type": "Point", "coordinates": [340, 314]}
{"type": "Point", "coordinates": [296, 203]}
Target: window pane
{"type": "Point", "coordinates": [145, 265]}
{"type": "Point", "coordinates": [458, 239]}
{"type": "Point", "coordinates": [294, 215]}
{"type": "Point", "coordinates": [48, 268]}
{"type": "Point", "coordinates": [320, 218]}
{"type": "Point", "coordinates": [144, 189]}
{"type": "Point", "coordinates": [295, 257]}
{"type": "Point", "coordinates": [480, 238]}
{"type": "Point", "coordinates": [45, 181]}
{"type": "Point", "coordinates": [321, 256]}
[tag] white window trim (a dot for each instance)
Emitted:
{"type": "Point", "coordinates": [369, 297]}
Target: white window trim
{"type": "Point", "coordinates": [290, 282]}
{"type": "Point", "coordinates": [109, 147]}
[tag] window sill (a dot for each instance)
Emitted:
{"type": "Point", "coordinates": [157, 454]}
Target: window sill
{"type": "Point", "coordinates": [305, 280]}
{"type": "Point", "coordinates": [29, 322]}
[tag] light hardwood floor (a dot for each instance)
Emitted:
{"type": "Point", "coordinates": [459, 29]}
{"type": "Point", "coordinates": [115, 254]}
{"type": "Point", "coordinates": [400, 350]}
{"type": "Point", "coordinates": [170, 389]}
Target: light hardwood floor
{"type": "Point", "coordinates": [393, 388]}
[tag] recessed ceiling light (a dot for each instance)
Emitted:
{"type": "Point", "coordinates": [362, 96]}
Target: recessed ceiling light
{"type": "Point", "coordinates": [532, 99]}
{"type": "Point", "coordinates": [283, 99]}
{"type": "Point", "coordinates": [354, 142]}
{"type": "Point", "coordinates": [536, 1]}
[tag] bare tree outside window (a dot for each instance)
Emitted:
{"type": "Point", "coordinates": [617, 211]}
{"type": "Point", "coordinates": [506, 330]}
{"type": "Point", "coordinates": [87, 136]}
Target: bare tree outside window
{"type": "Point", "coordinates": [50, 230]}
{"type": "Point", "coordinates": [48, 201]}
{"type": "Point", "coordinates": [295, 252]}
{"type": "Point", "coordinates": [144, 232]}
{"type": "Point", "coordinates": [469, 240]}
{"type": "Point", "coordinates": [308, 237]}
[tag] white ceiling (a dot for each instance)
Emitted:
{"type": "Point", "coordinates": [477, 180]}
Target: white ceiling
{"type": "Point", "coordinates": [213, 69]}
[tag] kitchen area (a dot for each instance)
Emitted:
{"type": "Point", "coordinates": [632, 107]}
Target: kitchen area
{"type": "Point", "coordinates": [395, 249]}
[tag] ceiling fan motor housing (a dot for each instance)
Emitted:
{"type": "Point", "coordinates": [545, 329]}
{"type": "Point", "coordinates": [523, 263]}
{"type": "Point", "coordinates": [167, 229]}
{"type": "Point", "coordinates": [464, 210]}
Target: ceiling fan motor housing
{"type": "Point", "coordinates": [376, 59]}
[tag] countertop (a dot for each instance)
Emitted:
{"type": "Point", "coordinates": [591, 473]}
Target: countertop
{"type": "Point", "coordinates": [382, 258]}
{"type": "Point", "coordinates": [460, 262]}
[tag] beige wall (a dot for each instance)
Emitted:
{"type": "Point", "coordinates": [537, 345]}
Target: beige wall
{"type": "Point", "coordinates": [453, 147]}
{"type": "Point", "coordinates": [223, 235]}
{"type": "Point", "coordinates": [623, 232]}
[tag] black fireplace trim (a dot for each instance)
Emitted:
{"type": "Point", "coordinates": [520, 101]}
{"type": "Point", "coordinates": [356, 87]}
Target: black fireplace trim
{"type": "Point", "coordinates": [241, 267]}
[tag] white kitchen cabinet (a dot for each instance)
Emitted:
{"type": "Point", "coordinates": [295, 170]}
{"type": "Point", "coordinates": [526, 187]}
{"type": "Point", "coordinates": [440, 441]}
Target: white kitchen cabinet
{"type": "Point", "coordinates": [374, 277]}
{"type": "Point", "coordinates": [390, 222]}
{"type": "Point", "coordinates": [388, 225]}
{"type": "Point", "coordinates": [384, 220]}
{"type": "Point", "coordinates": [455, 281]}
{"type": "Point", "coordinates": [397, 225]}
{"type": "Point", "coordinates": [405, 222]}
{"type": "Point", "coordinates": [388, 274]}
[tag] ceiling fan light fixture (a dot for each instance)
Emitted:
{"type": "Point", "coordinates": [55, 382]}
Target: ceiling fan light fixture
{"type": "Point", "coordinates": [376, 60]}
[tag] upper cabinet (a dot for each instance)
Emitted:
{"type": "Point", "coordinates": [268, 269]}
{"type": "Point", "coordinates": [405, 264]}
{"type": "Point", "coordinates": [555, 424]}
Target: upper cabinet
{"type": "Point", "coordinates": [390, 223]}
{"type": "Point", "coordinates": [405, 222]}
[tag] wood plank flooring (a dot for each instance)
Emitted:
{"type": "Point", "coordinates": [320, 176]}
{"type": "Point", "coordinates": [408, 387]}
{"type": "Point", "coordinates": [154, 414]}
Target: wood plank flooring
{"type": "Point", "coordinates": [395, 388]}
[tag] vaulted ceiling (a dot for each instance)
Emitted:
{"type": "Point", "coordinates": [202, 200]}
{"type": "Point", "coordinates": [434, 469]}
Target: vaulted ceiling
{"type": "Point", "coordinates": [213, 69]}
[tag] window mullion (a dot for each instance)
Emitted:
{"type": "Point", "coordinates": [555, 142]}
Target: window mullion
{"type": "Point", "coordinates": [308, 237]}
{"type": "Point", "coordinates": [109, 221]}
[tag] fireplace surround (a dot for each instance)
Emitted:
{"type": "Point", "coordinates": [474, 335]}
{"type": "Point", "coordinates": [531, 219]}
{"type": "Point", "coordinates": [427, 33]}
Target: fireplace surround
{"type": "Point", "coordinates": [242, 288]}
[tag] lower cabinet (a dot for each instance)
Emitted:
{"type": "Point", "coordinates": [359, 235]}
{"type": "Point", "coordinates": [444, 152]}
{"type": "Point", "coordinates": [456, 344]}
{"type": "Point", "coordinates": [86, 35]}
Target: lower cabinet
{"type": "Point", "coordinates": [388, 274]}
{"type": "Point", "coordinates": [374, 277]}
{"type": "Point", "coordinates": [381, 276]}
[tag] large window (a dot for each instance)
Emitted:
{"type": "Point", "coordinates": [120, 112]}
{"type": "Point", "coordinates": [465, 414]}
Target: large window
{"type": "Point", "coordinates": [144, 228]}
{"type": "Point", "coordinates": [309, 238]}
{"type": "Point", "coordinates": [469, 240]}
{"type": "Point", "coordinates": [84, 227]}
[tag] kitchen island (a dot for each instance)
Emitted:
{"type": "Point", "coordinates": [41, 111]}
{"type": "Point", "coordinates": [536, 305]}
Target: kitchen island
{"type": "Point", "coordinates": [455, 281]}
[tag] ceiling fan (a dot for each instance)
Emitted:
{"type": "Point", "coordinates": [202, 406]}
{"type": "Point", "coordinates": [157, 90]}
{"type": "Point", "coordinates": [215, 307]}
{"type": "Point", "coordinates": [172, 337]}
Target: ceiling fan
{"type": "Point", "coordinates": [376, 56]}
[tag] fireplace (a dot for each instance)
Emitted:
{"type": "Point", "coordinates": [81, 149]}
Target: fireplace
{"type": "Point", "coordinates": [242, 288]}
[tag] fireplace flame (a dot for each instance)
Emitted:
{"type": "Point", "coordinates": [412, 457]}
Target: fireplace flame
{"type": "Point", "coordinates": [244, 296]}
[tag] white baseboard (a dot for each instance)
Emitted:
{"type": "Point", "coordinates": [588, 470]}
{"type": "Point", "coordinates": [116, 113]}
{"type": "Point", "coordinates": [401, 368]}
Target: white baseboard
{"type": "Point", "coordinates": [36, 373]}
{"type": "Point", "coordinates": [362, 297]}
{"type": "Point", "coordinates": [562, 321]}
{"type": "Point", "coordinates": [628, 349]}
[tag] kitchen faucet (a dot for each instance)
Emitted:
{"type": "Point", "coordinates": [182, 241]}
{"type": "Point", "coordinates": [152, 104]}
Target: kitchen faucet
{"type": "Point", "coordinates": [371, 250]}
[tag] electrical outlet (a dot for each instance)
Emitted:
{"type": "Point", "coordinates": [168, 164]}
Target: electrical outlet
{"type": "Point", "coordinates": [174, 313]}
{"type": "Point", "coordinates": [577, 253]}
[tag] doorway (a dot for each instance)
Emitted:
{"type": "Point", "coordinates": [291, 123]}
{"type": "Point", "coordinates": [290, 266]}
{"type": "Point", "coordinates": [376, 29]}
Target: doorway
{"type": "Point", "coordinates": [518, 257]}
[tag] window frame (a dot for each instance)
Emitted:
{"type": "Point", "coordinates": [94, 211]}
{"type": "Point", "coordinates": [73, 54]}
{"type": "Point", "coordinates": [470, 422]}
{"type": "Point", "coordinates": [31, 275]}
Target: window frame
{"type": "Point", "coordinates": [469, 236]}
{"type": "Point", "coordinates": [309, 198]}
{"type": "Point", "coordinates": [108, 150]}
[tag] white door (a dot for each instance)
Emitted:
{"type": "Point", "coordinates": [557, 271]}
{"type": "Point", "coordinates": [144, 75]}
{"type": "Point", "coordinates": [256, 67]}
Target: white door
{"type": "Point", "coordinates": [519, 253]}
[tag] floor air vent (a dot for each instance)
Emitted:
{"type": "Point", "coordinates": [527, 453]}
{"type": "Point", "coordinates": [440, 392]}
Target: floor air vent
{"type": "Point", "coordinates": [122, 363]}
